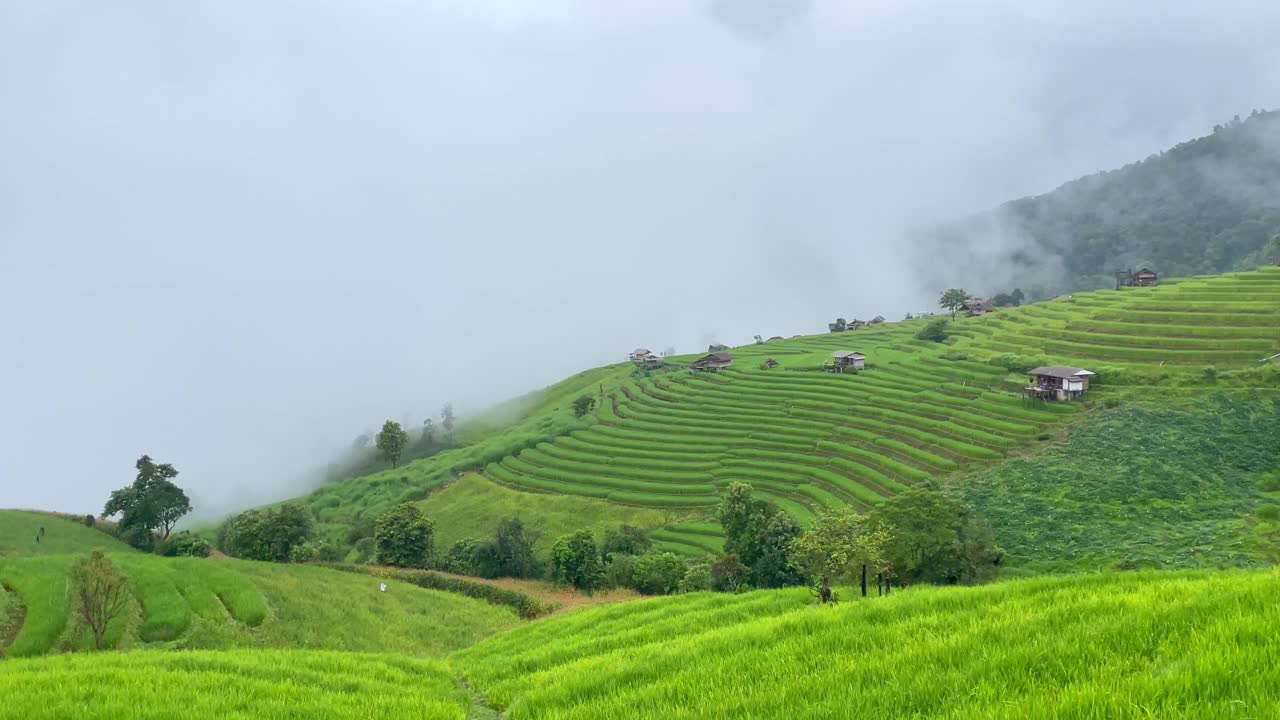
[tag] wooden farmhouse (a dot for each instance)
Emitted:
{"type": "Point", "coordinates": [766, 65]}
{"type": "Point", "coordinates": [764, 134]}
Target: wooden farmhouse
{"type": "Point", "coordinates": [1058, 382]}
{"type": "Point", "coordinates": [713, 362]}
{"type": "Point", "coordinates": [643, 357]}
{"type": "Point", "coordinates": [842, 360]}
{"type": "Point", "coordinates": [977, 307]}
{"type": "Point", "coordinates": [1146, 277]}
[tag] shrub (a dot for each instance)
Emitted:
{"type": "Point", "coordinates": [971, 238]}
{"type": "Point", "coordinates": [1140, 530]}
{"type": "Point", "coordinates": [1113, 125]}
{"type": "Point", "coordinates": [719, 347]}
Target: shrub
{"type": "Point", "coordinates": [185, 544]}
{"type": "Point", "coordinates": [364, 550]}
{"type": "Point", "coordinates": [461, 557]}
{"type": "Point", "coordinates": [315, 551]}
{"type": "Point", "coordinates": [658, 573]}
{"type": "Point", "coordinates": [1270, 482]}
{"type": "Point", "coordinates": [576, 561]}
{"type": "Point", "coordinates": [403, 537]}
{"type": "Point", "coordinates": [269, 534]}
{"type": "Point", "coordinates": [90, 521]}
{"type": "Point", "coordinates": [1269, 513]}
{"type": "Point", "coordinates": [697, 578]}
{"type": "Point", "coordinates": [625, 540]}
{"type": "Point", "coordinates": [934, 331]}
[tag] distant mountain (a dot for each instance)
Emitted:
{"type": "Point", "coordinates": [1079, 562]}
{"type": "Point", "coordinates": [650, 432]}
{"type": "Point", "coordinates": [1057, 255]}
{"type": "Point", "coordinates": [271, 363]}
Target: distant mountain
{"type": "Point", "coordinates": [1209, 205]}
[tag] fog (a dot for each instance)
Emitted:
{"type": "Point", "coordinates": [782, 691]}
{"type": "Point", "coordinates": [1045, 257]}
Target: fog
{"type": "Point", "coordinates": [236, 234]}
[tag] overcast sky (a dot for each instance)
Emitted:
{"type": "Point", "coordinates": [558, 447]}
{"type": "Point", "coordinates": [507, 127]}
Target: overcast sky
{"type": "Point", "coordinates": [235, 234]}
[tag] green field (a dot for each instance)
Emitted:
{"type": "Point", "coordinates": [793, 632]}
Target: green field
{"type": "Point", "coordinates": [229, 685]}
{"type": "Point", "coordinates": [1174, 485]}
{"type": "Point", "coordinates": [1150, 645]}
{"type": "Point", "coordinates": [473, 506]}
{"type": "Point", "coordinates": [212, 603]}
{"type": "Point", "coordinates": [62, 535]}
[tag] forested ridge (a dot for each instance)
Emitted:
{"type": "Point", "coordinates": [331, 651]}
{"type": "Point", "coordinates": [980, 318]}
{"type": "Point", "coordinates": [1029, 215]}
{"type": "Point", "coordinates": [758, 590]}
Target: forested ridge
{"type": "Point", "coordinates": [1208, 205]}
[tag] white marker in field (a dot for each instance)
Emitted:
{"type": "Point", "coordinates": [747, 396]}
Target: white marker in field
{"type": "Point", "coordinates": [383, 587]}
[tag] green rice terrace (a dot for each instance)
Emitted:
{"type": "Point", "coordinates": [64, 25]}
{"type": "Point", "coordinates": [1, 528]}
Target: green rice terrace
{"type": "Point", "coordinates": [670, 440]}
{"type": "Point", "coordinates": [219, 603]}
{"type": "Point", "coordinates": [1155, 500]}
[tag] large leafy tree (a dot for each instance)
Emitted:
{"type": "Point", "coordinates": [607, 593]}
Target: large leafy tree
{"type": "Point", "coordinates": [513, 548]}
{"type": "Point", "coordinates": [272, 534]}
{"type": "Point", "coordinates": [953, 300]}
{"type": "Point", "coordinates": [937, 538]}
{"type": "Point", "coordinates": [391, 441]}
{"type": "Point", "coordinates": [840, 544]}
{"type": "Point", "coordinates": [576, 561]}
{"type": "Point", "coordinates": [152, 504]}
{"type": "Point", "coordinates": [760, 534]}
{"type": "Point", "coordinates": [403, 537]}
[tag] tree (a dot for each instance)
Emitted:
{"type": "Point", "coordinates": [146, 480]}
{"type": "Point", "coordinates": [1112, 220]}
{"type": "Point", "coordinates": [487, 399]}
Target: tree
{"type": "Point", "coordinates": [576, 561]}
{"type": "Point", "coordinates": [937, 538]}
{"type": "Point", "coordinates": [697, 578]}
{"type": "Point", "coordinates": [953, 300]}
{"type": "Point", "coordinates": [391, 441]}
{"type": "Point", "coordinates": [760, 534]}
{"type": "Point", "coordinates": [934, 331]}
{"type": "Point", "coordinates": [102, 594]}
{"type": "Point", "coordinates": [840, 325]}
{"type": "Point", "coordinates": [513, 549]}
{"type": "Point", "coordinates": [583, 405]}
{"type": "Point", "coordinates": [446, 418]}
{"type": "Point", "coordinates": [428, 432]}
{"type": "Point", "coordinates": [185, 544]}
{"type": "Point", "coordinates": [828, 550]}
{"type": "Point", "coordinates": [625, 540]}
{"type": "Point", "coordinates": [361, 442]}
{"type": "Point", "coordinates": [658, 573]}
{"type": "Point", "coordinates": [403, 537]}
{"type": "Point", "coordinates": [462, 557]}
{"type": "Point", "coordinates": [728, 573]}
{"type": "Point", "coordinates": [759, 340]}
{"type": "Point", "coordinates": [270, 534]}
{"type": "Point", "coordinates": [151, 504]}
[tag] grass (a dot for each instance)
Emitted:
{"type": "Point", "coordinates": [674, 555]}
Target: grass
{"type": "Point", "coordinates": [218, 604]}
{"type": "Point", "coordinates": [235, 685]}
{"type": "Point", "coordinates": [1151, 485]}
{"type": "Point", "coordinates": [1116, 646]}
{"type": "Point", "coordinates": [63, 534]}
{"type": "Point", "coordinates": [473, 506]}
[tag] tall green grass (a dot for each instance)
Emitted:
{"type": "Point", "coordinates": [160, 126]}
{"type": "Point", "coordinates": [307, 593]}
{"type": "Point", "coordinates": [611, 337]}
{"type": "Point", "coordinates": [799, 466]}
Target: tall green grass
{"type": "Point", "coordinates": [1104, 646]}
{"type": "Point", "coordinates": [237, 684]}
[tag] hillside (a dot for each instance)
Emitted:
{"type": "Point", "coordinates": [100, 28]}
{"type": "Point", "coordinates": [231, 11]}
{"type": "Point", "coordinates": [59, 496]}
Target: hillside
{"type": "Point", "coordinates": [1209, 205]}
{"type": "Point", "coordinates": [1115, 646]}
{"type": "Point", "coordinates": [20, 535]}
{"type": "Point", "coordinates": [920, 412]}
{"type": "Point", "coordinates": [222, 603]}
{"type": "Point", "coordinates": [230, 685]}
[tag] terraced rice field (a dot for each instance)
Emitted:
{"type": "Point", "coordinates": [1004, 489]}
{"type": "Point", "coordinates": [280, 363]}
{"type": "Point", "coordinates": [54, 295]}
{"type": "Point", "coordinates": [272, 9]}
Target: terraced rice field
{"type": "Point", "coordinates": [233, 684]}
{"type": "Point", "coordinates": [811, 440]}
{"type": "Point", "coordinates": [1127, 645]}
{"type": "Point", "coordinates": [1224, 321]}
{"type": "Point", "coordinates": [807, 440]}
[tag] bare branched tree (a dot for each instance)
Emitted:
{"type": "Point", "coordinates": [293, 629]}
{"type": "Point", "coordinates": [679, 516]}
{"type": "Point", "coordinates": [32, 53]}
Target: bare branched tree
{"type": "Point", "coordinates": [102, 592]}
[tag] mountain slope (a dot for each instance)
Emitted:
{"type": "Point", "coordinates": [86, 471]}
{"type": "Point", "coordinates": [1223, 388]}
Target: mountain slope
{"type": "Point", "coordinates": [920, 412]}
{"type": "Point", "coordinates": [1209, 205]}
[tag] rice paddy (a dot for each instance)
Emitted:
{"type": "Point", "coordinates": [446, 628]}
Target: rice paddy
{"type": "Point", "coordinates": [1136, 645]}
{"type": "Point", "coordinates": [206, 603]}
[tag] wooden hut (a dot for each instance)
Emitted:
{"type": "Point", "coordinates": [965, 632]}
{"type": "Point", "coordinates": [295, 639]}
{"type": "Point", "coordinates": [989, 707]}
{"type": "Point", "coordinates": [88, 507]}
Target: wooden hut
{"type": "Point", "coordinates": [842, 360]}
{"type": "Point", "coordinates": [977, 307]}
{"type": "Point", "coordinates": [1146, 277]}
{"type": "Point", "coordinates": [712, 362]}
{"type": "Point", "coordinates": [1058, 382]}
{"type": "Point", "coordinates": [769, 364]}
